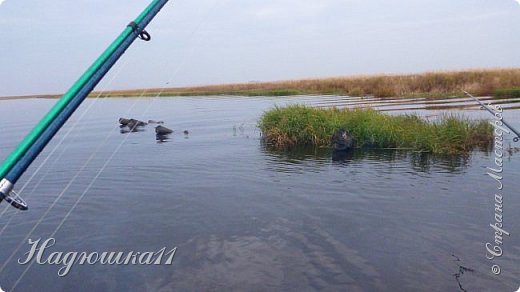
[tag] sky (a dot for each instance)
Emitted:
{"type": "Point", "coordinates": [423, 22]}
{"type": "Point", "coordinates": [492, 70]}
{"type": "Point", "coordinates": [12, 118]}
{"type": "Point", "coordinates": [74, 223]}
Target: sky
{"type": "Point", "coordinates": [46, 45]}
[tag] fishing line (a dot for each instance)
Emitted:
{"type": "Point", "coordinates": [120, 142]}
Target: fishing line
{"type": "Point", "coordinates": [72, 128]}
{"type": "Point", "coordinates": [79, 199]}
{"type": "Point", "coordinates": [154, 99]}
{"type": "Point", "coordinates": [102, 168]}
{"type": "Point", "coordinates": [54, 203]}
{"type": "Point", "coordinates": [87, 110]}
{"type": "Point", "coordinates": [69, 184]}
{"type": "Point", "coordinates": [28, 150]}
{"type": "Point", "coordinates": [77, 174]}
{"type": "Point", "coordinates": [111, 132]}
{"type": "Point", "coordinates": [65, 190]}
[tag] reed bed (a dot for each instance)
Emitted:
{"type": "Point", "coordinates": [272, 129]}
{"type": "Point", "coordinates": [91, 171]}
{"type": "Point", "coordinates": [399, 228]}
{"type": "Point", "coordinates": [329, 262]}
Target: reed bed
{"type": "Point", "coordinates": [430, 84]}
{"type": "Point", "coordinates": [301, 125]}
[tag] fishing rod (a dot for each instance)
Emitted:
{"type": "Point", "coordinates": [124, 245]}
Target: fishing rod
{"type": "Point", "coordinates": [486, 107]}
{"type": "Point", "coordinates": [31, 146]}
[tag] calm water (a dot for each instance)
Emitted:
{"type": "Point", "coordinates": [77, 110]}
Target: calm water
{"type": "Point", "coordinates": [245, 217]}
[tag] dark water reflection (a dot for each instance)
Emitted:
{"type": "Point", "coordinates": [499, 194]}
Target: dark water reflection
{"type": "Point", "coordinates": [245, 217]}
{"type": "Point", "coordinates": [418, 161]}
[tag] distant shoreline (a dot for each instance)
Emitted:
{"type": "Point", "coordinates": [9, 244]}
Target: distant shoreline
{"type": "Point", "coordinates": [30, 96]}
{"type": "Point", "coordinates": [440, 84]}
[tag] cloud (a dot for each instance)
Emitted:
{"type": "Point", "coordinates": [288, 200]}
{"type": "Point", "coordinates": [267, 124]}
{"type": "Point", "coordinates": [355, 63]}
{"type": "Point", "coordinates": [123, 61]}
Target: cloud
{"type": "Point", "coordinates": [1, 1]}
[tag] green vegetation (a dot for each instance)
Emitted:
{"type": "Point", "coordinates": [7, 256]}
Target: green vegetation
{"type": "Point", "coordinates": [301, 125]}
{"type": "Point", "coordinates": [430, 84]}
{"type": "Point", "coordinates": [508, 93]}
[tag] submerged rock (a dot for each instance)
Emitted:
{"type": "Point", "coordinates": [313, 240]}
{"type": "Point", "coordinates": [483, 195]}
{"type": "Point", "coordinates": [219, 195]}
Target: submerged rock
{"type": "Point", "coordinates": [161, 130]}
{"type": "Point", "coordinates": [342, 140]}
{"type": "Point", "coordinates": [138, 123]}
{"type": "Point", "coordinates": [135, 124]}
{"type": "Point", "coordinates": [131, 123]}
{"type": "Point", "coordinates": [155, 122]}
{"type": "Point", "coordinates": [124, 121]}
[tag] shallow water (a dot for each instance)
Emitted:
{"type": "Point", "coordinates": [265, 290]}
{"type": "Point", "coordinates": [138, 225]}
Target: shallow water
{"type": "Point", "coordinates": [246, 217]}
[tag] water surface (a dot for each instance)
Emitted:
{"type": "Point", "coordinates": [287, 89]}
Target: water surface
{"type": "Point", "coordinates": [246, 217]}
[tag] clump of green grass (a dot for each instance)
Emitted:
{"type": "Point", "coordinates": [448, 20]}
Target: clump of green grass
{"type": "Point", "coordinates": [302, 125]}
{"type": "Point", "coordinates": [507, 92]}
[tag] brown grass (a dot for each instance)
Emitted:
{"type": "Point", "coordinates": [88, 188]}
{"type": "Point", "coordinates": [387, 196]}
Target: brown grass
{"type": "Point", "coordinates": [480, 82]}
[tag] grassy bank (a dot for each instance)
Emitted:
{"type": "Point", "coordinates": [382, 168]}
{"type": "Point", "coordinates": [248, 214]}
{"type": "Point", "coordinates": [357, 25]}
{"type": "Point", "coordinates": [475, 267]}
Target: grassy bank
{"type": "Point", "coordinates": [508, 92]}
{"type": "Point", "coordinates": [300, 125]}
{"type": "Point", "coordinates": [429, 84]}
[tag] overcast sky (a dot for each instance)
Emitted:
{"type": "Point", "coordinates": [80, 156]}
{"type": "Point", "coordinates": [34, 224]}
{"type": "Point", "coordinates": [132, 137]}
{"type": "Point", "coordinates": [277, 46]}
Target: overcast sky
{"type": "Point", "coordinates": [46, 45]}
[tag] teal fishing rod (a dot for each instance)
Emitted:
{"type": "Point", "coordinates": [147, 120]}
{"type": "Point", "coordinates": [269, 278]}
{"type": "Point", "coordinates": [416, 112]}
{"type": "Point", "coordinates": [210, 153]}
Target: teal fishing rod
{"type": "Point", "coordinates": [31, 146]}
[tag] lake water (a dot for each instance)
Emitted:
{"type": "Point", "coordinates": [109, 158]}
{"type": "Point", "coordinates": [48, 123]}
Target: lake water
{"type": "Point", "coordinates": [245, 217]}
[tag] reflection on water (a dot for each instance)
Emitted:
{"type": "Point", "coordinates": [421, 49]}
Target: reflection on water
{"type": "Point", "coordinates": [162, 138]}
{"type": "Point", "coordinates": [343, 156]}
{"type": "Point", "coordinates": [426, 162]}
{"type": "Point", "coordinates": [409, 104]}
{"type": "Point", "coordinates": [246, 217]}
{"type": "Point", "coordinates": [417, 161]}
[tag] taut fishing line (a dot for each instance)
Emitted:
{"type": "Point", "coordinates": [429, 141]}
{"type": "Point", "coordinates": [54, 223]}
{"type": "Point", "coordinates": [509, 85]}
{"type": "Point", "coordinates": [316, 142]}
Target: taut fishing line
{"type": "Point", "coordinates": [87, 189]}
{"type": "Point", "coordinates": [55, 148]}
{"type": "Point", "coordinates": [46, 159]}
{"type": "Point", "coordinates": [77, 174]}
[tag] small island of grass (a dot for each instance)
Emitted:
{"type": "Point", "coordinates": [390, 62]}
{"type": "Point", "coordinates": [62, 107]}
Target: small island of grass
{"type": "Point", "coordinates": [302, 125]}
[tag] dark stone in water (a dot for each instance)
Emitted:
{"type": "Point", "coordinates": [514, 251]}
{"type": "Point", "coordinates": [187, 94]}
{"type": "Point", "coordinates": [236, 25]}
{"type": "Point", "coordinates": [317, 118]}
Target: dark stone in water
{"type": "Point", "coordinates": [155, 122]}
{"type": "Point", "coordinates": [342, 140]}
{"type": "Point", "coordinates": [186, 132]}
{"type": "Point", "coordinates": [135, 124]}
{"type": "Point", "coordinates": [131, 123]}
{"type": "Point", "coordinates": [161, 130]}
{"type": "Point", "coordinates": [124, 121]}
{"type": "Point", "coordinates": [138, 123]}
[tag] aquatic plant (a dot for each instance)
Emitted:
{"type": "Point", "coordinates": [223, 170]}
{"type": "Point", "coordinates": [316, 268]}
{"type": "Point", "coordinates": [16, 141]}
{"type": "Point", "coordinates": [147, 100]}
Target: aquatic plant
{"type": "Point", "coordinates": [301, 125]}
